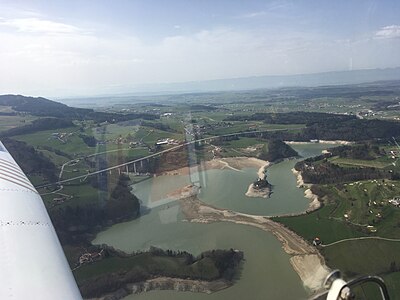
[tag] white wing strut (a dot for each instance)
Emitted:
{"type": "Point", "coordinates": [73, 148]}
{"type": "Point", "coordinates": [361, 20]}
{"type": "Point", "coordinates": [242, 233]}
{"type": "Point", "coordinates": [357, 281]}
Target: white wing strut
{"type": "Point", "coordinates": [32, 262]}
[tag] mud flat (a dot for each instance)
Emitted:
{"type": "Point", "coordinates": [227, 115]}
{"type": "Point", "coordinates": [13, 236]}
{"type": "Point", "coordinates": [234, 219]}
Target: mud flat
{"type": "Point", "coordinates": [306, 260]}
{"type": "Point", "coordinates": [234, 163]}
{"type": "Point", "coordinates": [181, 285]}
{"type": "Point", "coordinates": [337, 142]}
{"type": "Point", "coordinates": [314, 200]}
{"type": "Point", "coordinates": [299, 178]}
{"type": "Point", "coordinates": [168, 283]}
{"type": "Point", "coordinates": [186, 191]}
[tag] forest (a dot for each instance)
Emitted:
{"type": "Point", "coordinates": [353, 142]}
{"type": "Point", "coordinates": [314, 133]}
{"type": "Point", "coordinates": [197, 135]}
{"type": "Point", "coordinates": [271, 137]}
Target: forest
{"type": "Point", "coordinates": [277, 150]}
{"type": "Point", "coordinates": [222, 264]}
{"type": "Point", "coordinates": [73, 224]}
{"type": "Point", "coordinates": [31, 161]}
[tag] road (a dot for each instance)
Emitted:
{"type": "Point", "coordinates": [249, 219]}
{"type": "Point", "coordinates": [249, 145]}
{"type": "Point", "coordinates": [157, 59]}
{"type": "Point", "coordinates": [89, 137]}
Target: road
{"type": "Point", "coordinates": [361, 238]}
{"type": "Point", "coordinates": [160, 153]}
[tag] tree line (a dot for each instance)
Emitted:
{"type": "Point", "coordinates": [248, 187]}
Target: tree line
{"type": "Point", "coordinates": [73, 224]}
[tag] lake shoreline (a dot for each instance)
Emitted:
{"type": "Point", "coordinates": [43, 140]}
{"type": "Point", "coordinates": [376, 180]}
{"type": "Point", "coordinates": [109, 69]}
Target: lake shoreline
{"type": "Point", "coordinates": [314, 200]}
{"type": "Point", "coordinates": [307, 262]}
{"type": "Point", "coordinates": [233, 163]}
{"type": "Point", "coordinates": [336, 142]}
{"type": "Point", "coordinates": [167, 283]}
{"type": "Point", "coordinates": [305, 259]}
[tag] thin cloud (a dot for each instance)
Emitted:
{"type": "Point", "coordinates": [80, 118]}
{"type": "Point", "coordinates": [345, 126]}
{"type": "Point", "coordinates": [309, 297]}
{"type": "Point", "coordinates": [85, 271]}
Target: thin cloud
{"type": "Point", "coordinates": [388, 32]}
{"type": "Point", "coordinates": [253, 15]}
{"type": "Point", "coordinates": [36, 25]}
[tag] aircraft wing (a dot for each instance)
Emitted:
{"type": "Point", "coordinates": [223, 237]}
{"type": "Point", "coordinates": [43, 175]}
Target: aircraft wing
{"type": "Point", "coordinates": [32, 262]}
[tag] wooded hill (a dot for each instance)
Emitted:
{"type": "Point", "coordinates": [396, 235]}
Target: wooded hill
{"type": "Point", "coordinates": [47, 108]}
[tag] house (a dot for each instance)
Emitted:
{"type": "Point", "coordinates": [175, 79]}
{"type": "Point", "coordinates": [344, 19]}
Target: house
{"type": "Point", "coordinates": [317, 241]}
{"type": "Point", "coordinates": [162, 142]}
{"type": "Point", "coordinates": [58, 200]}
{"type": "Point", "coordinates": [90, 257]}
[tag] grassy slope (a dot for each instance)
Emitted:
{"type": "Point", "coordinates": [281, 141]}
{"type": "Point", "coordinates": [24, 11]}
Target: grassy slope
{"type": "Point", "coordinates": [73, 145]}
{"type": "Point", "coordinates": [350, 256]}
{"type": "Point", "coordinates": [8, 122]}
{"type": "Point", "coordinates": [392, 281]}
{"type": "Point", "coordinates": [318, 224]}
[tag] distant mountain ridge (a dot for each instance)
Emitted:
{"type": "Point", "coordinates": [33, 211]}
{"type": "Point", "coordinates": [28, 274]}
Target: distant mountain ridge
{"type": "Point", "coordinates": [275, 81]}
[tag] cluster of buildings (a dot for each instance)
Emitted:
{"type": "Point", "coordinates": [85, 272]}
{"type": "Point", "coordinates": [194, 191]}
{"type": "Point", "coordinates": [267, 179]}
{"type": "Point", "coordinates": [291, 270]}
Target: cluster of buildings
{"type": "Point", "coordinates": [395, 201]}
{"type": "Point", "coordinates": [61, 136]}
{"type": "Point", "coordinates": [87, 257]}
{"type": "Point", "coordinates": [167, 141]}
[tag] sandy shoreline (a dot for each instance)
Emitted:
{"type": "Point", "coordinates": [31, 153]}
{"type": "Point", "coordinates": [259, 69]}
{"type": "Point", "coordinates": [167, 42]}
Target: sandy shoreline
{"type": "Point", "coordinates": [167, 283]}
{"type": "Point", "coordinates": [314, 200]}
{"type": "Point", "coordinates": [233, 163]}
{"type": "Point", "coordinates": [299, 178]}
{"type": "Point", "coordinates": [338, 142]}
{"type": "Point", "coordinates": [306, 260]}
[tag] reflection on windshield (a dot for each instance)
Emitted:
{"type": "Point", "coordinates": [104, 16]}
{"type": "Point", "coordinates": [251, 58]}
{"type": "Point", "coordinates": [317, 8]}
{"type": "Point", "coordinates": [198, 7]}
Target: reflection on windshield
{"type": "Point", "coordinates": [213, 150]}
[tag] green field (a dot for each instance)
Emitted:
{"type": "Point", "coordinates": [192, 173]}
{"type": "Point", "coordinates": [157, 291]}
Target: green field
{"type": "Point", "coordinates": [73, 145]}
{"type": "Point", "coordinates": [58, 160]}
{"type": "Point", "coordinates": [319, 224]}
{"type": "Point", "coordinates": [243, 142]}
{"type": "Point", "coordinates": [364, 203]}
{"type": "Point", "coordinates": [150, 136]}
{"type": "Point", "coordinates": [8, 122]}
{"type": "Point", "coordinates": [392, 281]}
{"type": "Point", "coordinates": [376, 163]}
{"type": "Point", "coordinates": [367, 257]}
{"type": "Point", "coordinates": [113, 131]}
{"type": "Point", "coordinates": [81, 195]}
{"type": "Point", "coordinates": [249, 126]}
{"type": "Point", "coordinates": [350, 256]}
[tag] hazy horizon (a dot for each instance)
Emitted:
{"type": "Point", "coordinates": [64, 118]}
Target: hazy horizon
{"type": "Point", "coordinates": [85, 48]}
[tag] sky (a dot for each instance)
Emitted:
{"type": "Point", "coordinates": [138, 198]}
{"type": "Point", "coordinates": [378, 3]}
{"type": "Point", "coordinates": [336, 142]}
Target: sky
{"type": "Point", "coordinates": [93, 47]}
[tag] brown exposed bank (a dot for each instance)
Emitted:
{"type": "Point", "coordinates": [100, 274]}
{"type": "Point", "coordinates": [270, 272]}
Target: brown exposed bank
{"type": "Point", "coordinates": [305, 258]}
